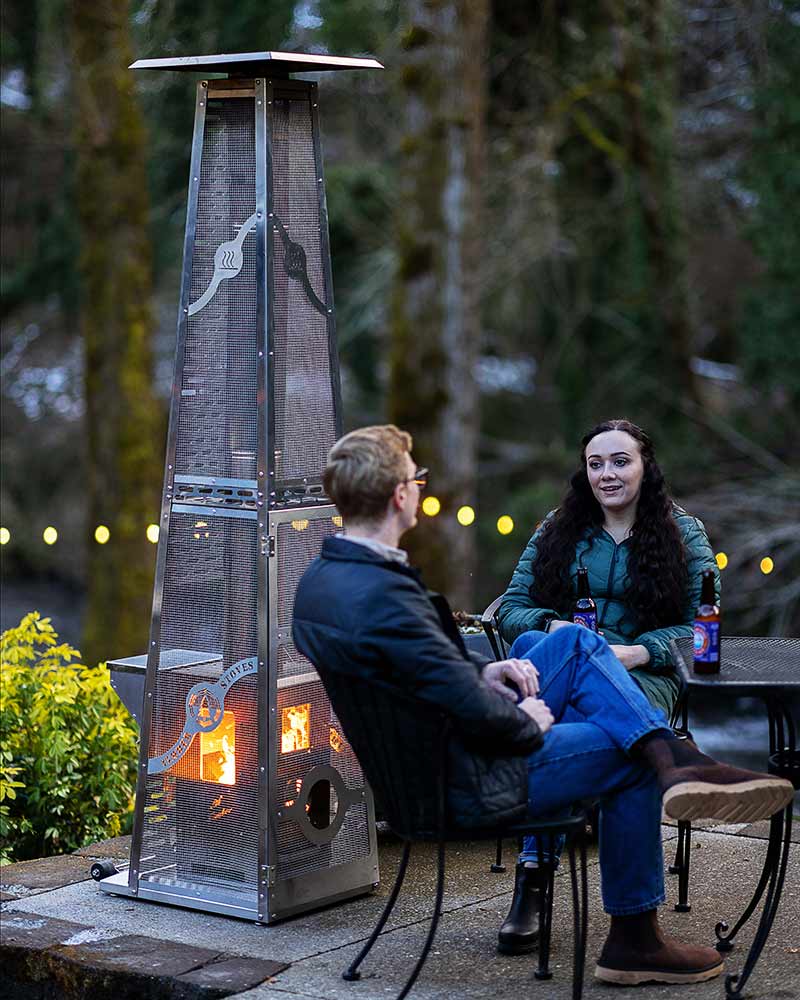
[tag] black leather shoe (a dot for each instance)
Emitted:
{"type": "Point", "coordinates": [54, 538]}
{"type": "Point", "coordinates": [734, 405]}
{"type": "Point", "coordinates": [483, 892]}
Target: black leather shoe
{"type": "Point", "coordinates": [519, 932]}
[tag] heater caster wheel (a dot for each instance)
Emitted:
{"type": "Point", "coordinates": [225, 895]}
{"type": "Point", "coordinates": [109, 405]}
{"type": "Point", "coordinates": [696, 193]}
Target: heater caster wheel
{"type": "Point", "coordinates": [102, 869]}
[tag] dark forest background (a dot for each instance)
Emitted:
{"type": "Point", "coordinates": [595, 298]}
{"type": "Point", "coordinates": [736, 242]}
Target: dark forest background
{"type": "Point", "coordinates": [542, 215]}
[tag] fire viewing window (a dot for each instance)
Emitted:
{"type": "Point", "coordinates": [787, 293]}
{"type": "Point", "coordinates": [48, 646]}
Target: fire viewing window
{"type": "Point", "coordinates": [218, 752]}
{"type": "Point", "coordinates": [295, 728]}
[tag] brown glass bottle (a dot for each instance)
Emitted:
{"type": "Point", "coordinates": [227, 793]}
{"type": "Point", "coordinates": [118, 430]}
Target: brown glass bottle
{"type": "Point", "coordinates": [707, 629]}
{"type": "Point", "coordinates": [585, 612]}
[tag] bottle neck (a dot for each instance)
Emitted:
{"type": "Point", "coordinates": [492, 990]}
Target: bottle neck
{"type": "Point", "coordinates": [707, 595]}
{"type": "Point", "coordinates": [583, 584]}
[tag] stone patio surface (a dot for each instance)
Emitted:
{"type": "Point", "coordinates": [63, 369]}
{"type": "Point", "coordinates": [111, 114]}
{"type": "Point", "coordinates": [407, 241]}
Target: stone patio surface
{"type": "Point", "coordinates": [64, 938]}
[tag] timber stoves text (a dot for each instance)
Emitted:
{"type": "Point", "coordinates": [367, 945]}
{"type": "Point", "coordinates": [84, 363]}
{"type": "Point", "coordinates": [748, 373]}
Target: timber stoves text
{"type": "Point", "coordinates": [250, 801]}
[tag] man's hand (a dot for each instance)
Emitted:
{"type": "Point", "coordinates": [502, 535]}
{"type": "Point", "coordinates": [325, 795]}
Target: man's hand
{"type": "Point", "coordinates": [521, 673]}
{"type": "Point", "coordinates": [539, 712]}
{"type": "Point", "coordinates": [631, 656]}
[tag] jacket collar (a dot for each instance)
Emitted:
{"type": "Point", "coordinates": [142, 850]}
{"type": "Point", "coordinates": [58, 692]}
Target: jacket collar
{"type": "Point", "coordinates": [339, 549]}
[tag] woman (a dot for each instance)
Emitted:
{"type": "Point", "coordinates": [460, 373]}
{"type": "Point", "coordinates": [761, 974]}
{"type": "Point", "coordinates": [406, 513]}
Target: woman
{"type": "Point", "coordinates": [645, 557]}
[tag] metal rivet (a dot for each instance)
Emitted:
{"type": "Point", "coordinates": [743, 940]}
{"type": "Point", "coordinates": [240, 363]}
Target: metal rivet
{"type": "Point", "coordinates": [186, 311]}
{"type": "Point", "coordinates": [149, 694]}
{"type": "Point", "coordinates": [262, 770]}
{"type": "Point", "coordinates": [202, 104]}
{"type": "Point", "coordinates": [258, 81]}
{"type": "Point", "coordinates": [258, 215]}
{"type": "Point", "coordinates": [259, 102]}
{"type": "Point", "coordinates": [204, 83]}
{"type": "Point", "coordinates": [261, 354]}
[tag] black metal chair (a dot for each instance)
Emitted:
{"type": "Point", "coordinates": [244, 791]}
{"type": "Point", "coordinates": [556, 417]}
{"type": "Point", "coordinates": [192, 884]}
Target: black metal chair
{"type": "Point", "coordinates": [679, 721]}
{"type": "Point", "coordinates": [402, 745]}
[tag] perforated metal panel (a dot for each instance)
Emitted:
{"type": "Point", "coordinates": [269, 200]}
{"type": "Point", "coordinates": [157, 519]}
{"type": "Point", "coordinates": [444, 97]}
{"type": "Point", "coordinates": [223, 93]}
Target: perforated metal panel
{"type": "Point", "coordinates": [201, 816]}
{"type": "Point", "coordinates": [217, 430]}
{"type": "Point", "coordinates": [305, 418]}
{"type": "Point", "coordinates": [298, 541]}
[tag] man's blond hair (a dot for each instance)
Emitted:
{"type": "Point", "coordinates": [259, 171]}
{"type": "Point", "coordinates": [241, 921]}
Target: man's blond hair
{"type": "Point", "coordinates": [363, 469]}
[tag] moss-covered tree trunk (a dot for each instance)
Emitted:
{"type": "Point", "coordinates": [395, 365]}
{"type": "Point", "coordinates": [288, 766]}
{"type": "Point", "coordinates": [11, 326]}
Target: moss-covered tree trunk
{"type": "Point", "coordinates": [123, 419]}
{"type": "Point", "coordinates": [436, 300]}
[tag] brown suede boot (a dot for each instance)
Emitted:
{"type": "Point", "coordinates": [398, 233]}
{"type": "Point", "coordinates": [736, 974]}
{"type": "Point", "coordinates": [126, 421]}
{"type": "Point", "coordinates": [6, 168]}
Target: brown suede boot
{"type": "Point", "coordinates": [638, 951]}
{"type": "Point", "coordinates": [698, 787]}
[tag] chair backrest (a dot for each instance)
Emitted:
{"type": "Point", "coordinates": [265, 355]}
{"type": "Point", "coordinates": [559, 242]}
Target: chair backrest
{"type": "Point", "coordinates": [401, 744]}
{"type": "Point", "coordinates": [492, 629]}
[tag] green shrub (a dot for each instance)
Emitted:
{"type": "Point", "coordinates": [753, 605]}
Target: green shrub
{"type": "Point", "coordinates": [68, 747]}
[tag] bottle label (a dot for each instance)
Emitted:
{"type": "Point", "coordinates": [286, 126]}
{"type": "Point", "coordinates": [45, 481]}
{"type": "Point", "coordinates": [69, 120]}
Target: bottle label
{"type": "Point", "coordinates": [586, 618]}
{"type": "Point", "coordinates": [706, 642]}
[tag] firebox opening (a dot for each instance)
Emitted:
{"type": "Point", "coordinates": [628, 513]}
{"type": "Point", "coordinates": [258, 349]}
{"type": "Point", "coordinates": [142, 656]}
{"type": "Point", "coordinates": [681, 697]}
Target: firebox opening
{"type": "Point", "coordinates": [218, 752]}
{"type": "Point", "coordinates": [323, 804]}
{"type": "Point", "coordinates": [296, 728]}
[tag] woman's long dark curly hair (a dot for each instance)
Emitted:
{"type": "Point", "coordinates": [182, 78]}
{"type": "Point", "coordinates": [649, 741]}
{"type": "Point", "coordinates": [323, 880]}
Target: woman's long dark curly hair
{"type": "Point", "coordinates": [656, 559]}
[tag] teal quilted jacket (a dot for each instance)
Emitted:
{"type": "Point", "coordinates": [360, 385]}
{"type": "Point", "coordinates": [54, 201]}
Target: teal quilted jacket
{"type": "Point", "coordinates": [606, 561]}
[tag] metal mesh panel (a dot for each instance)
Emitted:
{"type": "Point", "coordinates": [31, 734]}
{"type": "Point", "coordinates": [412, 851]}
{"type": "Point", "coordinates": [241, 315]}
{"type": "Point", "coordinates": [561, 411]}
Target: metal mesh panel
{"type": "Point", "coordinates": [303, 393]}
{"type": "Point", "coordinates": [217, 416]}
{"type": "Point", "coordinates": [299, 688]}
{"type": "Point", "coordinates": [201, 816]}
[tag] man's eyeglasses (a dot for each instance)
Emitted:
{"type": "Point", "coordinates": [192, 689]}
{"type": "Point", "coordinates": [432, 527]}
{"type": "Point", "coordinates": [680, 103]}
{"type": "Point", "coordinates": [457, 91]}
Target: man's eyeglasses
{"type": "Point", "coordinates": [420, 477]}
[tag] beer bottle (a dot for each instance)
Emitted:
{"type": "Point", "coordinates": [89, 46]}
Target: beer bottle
{"type": "Point", "coordinates": [706, 629]}
{"type": "Point", "coordinates": [585, 612]}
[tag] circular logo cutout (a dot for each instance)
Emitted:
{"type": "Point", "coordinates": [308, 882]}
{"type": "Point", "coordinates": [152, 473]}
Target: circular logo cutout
{"type": "Point", "coordinates": [204, 708]}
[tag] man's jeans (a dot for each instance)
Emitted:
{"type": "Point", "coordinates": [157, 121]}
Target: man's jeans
{"type": "Point", "coordinates": [600, 712]}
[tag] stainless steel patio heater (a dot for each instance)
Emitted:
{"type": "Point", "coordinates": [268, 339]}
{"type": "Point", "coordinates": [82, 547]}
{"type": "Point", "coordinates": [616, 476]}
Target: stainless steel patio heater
{"type": "Point", "coordinates": [250, 801]}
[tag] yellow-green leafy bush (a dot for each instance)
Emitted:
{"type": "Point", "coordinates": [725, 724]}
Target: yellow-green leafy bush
{"type": "Point", "coordinates": [68, 747]}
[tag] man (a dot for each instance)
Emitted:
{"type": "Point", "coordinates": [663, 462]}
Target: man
{"type": "Point", "coordinates": [362, 612]}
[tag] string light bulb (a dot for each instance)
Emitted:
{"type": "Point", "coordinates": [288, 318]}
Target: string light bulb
{"type": "Point", "coordinates": [766, 565]}
{"type": "Point", "coordinates": [101, 534]}
{"type": "Point", "coordinates": [152, 533]}
{"type": "Point", "coordinates": [431, 506]}
{"type": "Point", "coordinates": [50, 535]}
{"type": "Point", "coordinates": [722, 560]}
{"type": "Point", "coordinates": [5, 536]}
{"type": "Point", "coordinates": [465, 515]}
{"type": "Point", "coordinates": [505, 524]}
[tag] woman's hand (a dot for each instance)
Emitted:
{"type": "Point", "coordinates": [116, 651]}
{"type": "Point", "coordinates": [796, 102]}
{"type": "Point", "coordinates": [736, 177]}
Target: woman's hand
{"type": "Point", "coordinates": [522, 674]}
{"type": "Point", "coordinates": [539, 712]}
{"type": "Point", "coordinates": [555, 624]}
{"type": "Point", "coordinates": [631, 656]}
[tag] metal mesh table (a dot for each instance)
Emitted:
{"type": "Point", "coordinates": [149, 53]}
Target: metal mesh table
{"type": "Point", "coordinates": [768, 669]}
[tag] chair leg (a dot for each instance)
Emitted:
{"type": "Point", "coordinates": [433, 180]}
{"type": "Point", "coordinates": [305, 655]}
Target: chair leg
{"type": "Point", "coordinates": [685, 851]}
{"type": "Point", "coordinates": [546, 913]}
{"type": "Point", "coordinates": [580, 916]}
{"type": "Point", "coordinates": [437, 912]}
{"type": "Point", "coordinates": [497, 866]}
{"type": "Point", "coordinates": [351, 973]}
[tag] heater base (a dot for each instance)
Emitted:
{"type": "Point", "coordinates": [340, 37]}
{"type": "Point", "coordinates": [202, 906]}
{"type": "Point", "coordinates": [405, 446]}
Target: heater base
{"type": "Point", "coordinates": [288, 899]}
{"type": "Point", "coordinates": [209, 901]}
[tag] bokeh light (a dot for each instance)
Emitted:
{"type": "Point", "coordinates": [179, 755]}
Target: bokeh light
{"type": "Point", "coordinates": [431, 506]}
{"type": "Point", "coordinates": [337, 520]}
{"type": "Point", "coordinates": [722, 560]}
{"type": "Point", "coordinates": [50, 535]}
{"type": "Point", "coordinates": [101, 534]}
{"type": "Point", "coordinates": [5, 536]}
{"type": "Point", "coordinates": [465, 515]}
{"type": "Point", "coordinates": [766, 565]}
{"type": "Point", "coordinates": [152, 533]}
{"type": "Point", "coordinates": [505, 524]}
{"type": "Point", "coordinates": [301, 524]}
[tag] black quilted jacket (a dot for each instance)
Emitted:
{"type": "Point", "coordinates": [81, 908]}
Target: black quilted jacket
{"type": "Point", "coordinates": [359, 615]}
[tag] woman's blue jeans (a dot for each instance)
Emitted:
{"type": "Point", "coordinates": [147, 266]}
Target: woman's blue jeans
{"type": "Point", "coordinates": [600, 712]}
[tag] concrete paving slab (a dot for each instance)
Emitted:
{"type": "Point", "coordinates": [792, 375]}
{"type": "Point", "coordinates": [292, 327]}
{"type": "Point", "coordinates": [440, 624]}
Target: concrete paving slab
{"type": "Point", "coordinates": [26, 878]}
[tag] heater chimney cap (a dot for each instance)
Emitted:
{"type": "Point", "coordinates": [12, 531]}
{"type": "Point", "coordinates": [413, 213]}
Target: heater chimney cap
{"type": "Point", "coordinates": [253, 63]}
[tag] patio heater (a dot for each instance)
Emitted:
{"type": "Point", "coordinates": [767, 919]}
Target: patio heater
{"type": "Point", "coordinates": [249, 802]}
